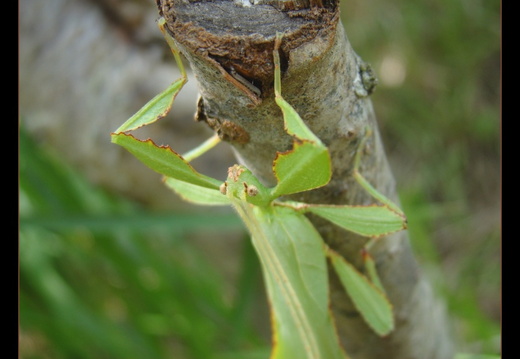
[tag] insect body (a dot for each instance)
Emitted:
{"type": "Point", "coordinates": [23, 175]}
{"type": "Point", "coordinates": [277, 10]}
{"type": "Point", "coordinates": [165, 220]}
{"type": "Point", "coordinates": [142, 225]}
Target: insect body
{"type": "Point", "coordinates": [291, 251]}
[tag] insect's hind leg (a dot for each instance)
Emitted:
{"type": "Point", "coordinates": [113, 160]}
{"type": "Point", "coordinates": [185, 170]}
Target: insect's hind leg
{"type": "Point", "coordinates": [364, 183]}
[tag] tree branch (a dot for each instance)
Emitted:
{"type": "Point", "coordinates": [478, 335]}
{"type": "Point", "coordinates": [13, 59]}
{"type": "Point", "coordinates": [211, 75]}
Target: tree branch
{"type": "Point", "coordinates": [229, 46]}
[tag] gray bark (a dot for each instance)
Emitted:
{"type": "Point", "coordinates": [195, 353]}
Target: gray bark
{"type": "Point", "coordinates": [229, 47]}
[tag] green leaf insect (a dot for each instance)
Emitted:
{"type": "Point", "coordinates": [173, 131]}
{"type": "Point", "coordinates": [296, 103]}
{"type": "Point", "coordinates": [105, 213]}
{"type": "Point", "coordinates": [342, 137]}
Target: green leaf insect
{"type": "Point", "coordinates": [292, 253]}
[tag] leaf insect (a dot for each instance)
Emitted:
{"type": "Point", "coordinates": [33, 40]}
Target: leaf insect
{"type": "Point", "coordinates": [292, 253]}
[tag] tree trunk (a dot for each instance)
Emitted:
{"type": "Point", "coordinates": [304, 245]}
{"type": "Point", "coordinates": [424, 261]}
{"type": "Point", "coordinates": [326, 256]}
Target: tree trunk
{"type": "Point", "coordinates": [229, 46]}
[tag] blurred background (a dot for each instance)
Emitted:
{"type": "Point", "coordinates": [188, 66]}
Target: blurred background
{"type": "Point", "coordinates": [113, 265]}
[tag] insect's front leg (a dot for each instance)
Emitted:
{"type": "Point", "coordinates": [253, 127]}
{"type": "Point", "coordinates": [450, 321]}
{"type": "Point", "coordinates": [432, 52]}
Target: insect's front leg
{"type": "Point", "coordinates": [291, 167]}
{"type": "Point", "coordinates": [160, 105]}
{"type": "Point", "coordinates": [173, 47]}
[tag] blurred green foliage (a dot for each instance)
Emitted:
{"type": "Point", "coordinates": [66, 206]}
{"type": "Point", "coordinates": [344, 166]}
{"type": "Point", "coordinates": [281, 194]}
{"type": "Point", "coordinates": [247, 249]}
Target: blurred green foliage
{"type": "Point", "coordinates": [438, 108]}
{"type": "Point", "coordinates": [102, 277]}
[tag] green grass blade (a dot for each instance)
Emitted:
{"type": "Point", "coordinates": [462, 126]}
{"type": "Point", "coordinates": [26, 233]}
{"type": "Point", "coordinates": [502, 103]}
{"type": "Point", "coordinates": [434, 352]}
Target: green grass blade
{"type": "Point", "coordinates": [476, 356]}
{"type": "Point", "coordinates": [140, 222]}
{"type": "Point", "coordinates": [164, 160]}
{"type": "Point", "coordinates": [367, 298]}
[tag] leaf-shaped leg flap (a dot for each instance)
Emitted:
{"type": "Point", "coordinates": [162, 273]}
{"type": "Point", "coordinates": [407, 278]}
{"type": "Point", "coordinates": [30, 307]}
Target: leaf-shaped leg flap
{"type": "Point", "coordinates": [304, 167]}
{"type": "Point", "coordinates": [369, 300]}
{"type": "Point", "coordinates": [164, 160]}
{"type": "Point", "coordinates": [370, 221]}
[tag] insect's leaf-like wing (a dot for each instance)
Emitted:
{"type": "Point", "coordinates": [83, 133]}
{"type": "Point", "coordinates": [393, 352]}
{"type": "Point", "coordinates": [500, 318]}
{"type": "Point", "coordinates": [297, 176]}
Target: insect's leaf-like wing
{"type": "Point", "coordinates": [367, 298]}
{"type": "Point", "coordinates": [164, 160]}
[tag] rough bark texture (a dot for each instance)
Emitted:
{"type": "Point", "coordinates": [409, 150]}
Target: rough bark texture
{"type": "Point", "coordinates": [229, 47]}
